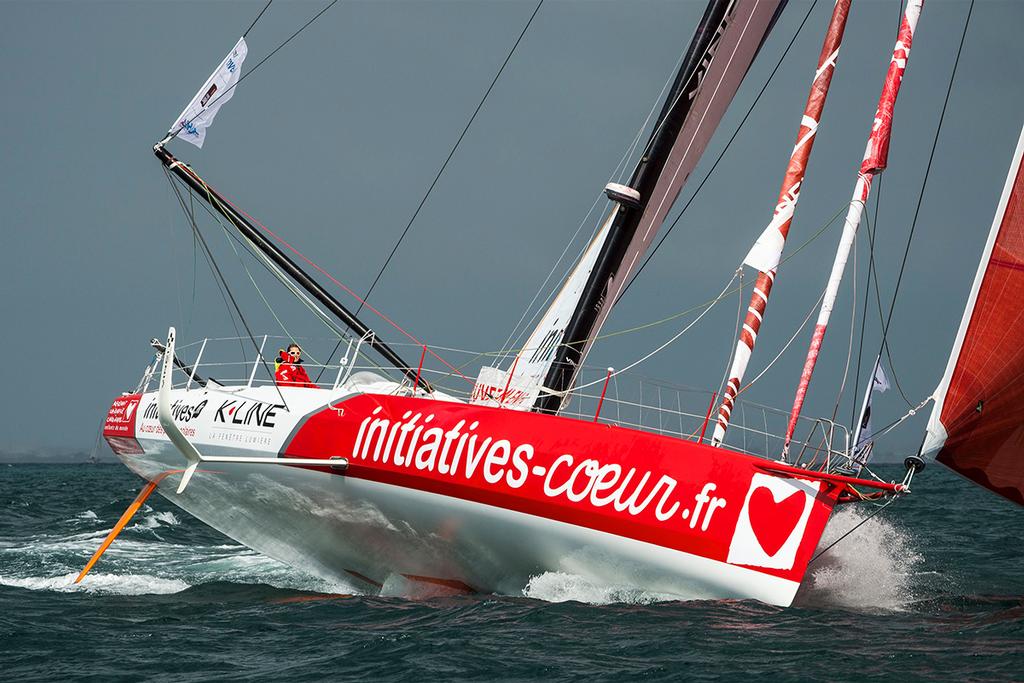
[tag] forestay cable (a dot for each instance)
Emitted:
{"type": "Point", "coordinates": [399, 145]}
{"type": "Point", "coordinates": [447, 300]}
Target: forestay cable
{"type": "Point", "coordinates": [924, 182]}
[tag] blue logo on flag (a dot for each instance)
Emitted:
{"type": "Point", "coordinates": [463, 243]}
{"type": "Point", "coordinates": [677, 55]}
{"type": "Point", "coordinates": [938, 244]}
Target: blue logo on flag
{"type": "Point", "coordinates": [188, 127]}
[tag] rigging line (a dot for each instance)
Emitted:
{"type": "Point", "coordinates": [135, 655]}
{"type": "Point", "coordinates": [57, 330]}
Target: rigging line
{"type": "Point", "coordinates": [174, 265]}
{"type": "Point", "coordinates": [294, 290]}
{"type": "Point", "coordinates": [785, 348]}
{"type": "Point", "coordinates": [194, 227]}
{"type": "Point", "coordinates": [853, 333]}
{"type": "Point", "coordinates": [881, 322]}
{"type": "Point", "coordinates": [724, 293]}
{"type": "Point", "coordinates": [450, 155]}
{"type": "Point", "coordinates": [280, 277]}
{"type": "Point", "coordinates": [190, 215]}
{"type": "Point", "coordinates": [895, 423]}
{"type": "Point", "coordinates": [275, 272]}
{"type": "Point", "coordinates": [288, 284]}
{"type": "Point", "coordinates": [867, 296]}
{"type": "Point", "coordinates": [725, 149]}
{"type": "Point", "coordinates": [617, 174]}
{"type": "Point", "coordinates": [437, 177]}
{"type": "Point", "coordinates": [607, 335]}
{"type": "Point", "coordinates": [227, 290]}
{"type": "Point", "coordinates": [515, 335]}
{"type": "Point", "coordinates": [246, 32]}
{"type": "Point", "coordinates": [338, 283]}
{"type": "Point", "coordinates": [258, 64]}
{"type": "Point", "coordinates": [831, 221]}
{"type": "Point", "coordinates": [735, 334]}
{"type": "Point", "coordinates": [259, 291]}
{"type": "Point", "coordinates": [924, 182]}
{"type": "Point", "coordinates": [857, 526]}
{"type": "Point", "coordinates": [195, 270]}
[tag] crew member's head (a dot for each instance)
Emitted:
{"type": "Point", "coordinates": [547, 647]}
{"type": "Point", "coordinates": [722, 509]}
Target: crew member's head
{"type": "Point", "coordinates": [294, 352]}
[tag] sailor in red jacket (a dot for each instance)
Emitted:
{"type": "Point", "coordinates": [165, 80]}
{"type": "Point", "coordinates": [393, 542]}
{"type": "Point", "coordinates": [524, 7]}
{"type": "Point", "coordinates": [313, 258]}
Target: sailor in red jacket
{"type": "Point", "coordinates": [289, 372]}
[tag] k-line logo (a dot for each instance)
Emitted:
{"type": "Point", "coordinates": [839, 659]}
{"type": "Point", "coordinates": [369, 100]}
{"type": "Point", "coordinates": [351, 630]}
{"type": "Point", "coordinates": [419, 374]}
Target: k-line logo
{"type": "Point", "coordinates": [180, 411]}
{"type": "Point", "coordinates": [249, 413]}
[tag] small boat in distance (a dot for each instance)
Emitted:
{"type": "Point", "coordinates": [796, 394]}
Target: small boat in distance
{"type": "Point", "coordinates": [381, 475]}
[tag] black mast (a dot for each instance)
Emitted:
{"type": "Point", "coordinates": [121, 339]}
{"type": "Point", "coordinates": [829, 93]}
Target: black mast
{"type": "Point", "coordinates": [578, 329]}
{"type": "Point", "coordinates": [256, 237]}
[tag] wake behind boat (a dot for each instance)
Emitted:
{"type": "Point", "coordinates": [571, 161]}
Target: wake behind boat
{"type": "Point", "coordinates": [381, 475]}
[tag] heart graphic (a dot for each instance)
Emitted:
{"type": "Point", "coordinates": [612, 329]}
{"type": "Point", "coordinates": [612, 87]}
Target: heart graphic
{"type": "Point", "coordinates": [773, 522]}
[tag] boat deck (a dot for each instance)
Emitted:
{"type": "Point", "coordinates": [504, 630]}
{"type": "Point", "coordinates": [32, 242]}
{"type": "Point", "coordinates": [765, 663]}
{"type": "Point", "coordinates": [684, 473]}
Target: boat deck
{"type": "Point", "coordinates": [620, 399]}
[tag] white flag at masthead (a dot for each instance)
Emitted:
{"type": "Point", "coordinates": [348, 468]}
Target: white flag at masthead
{"type": "Point", "coordinates": [192, 123]}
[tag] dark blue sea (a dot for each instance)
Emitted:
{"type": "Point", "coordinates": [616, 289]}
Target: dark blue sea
{"type": "Point", "coordinates": [931, 589]}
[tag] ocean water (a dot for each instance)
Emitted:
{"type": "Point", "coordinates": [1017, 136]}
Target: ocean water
{"type": "Point", "coordinates": [931, 589]}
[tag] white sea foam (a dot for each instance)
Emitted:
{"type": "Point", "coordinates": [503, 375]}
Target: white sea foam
{"type": "Point", "coordinates": [563, 587]}
{"type": "Point", "coordinates": [88, 514]}
{"type": "Point", "coordinates": [873, 568]}
{"type": "Point", "coordinates": [156, 520]}
{"type": "Point", "coordinates": [107, 584]}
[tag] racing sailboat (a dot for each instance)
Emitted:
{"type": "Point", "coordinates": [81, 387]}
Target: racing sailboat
{"type": "Point", "coordinates": [381, 474]}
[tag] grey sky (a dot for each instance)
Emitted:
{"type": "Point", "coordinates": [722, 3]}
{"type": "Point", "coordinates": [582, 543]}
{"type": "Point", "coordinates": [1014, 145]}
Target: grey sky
{"type": "Point", "coordinates": [333, 142]}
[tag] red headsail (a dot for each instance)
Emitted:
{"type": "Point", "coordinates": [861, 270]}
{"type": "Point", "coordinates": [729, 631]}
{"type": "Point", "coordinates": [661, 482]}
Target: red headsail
{"type": "Point", "coordinates": [977, 425]}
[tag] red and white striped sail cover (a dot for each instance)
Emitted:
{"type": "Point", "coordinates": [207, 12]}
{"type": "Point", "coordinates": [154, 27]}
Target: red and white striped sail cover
{"type": "Point", "coordinates": [977, 424]}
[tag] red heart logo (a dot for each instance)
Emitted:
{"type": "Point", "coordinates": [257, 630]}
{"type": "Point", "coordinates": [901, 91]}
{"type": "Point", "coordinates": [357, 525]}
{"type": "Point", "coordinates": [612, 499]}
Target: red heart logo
{"type": "Point", "coordinates": [772, 522]}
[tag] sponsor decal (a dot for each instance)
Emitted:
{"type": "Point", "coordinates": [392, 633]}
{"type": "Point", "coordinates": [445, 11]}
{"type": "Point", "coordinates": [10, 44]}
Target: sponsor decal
{"type": "Point", "coordinates": [248, 413]}
{"type": "Point", "coordinates": [459, 451]}
{"type": "Point", "coordinates": [119, 426]}
{"type": "Point", "coordinates": [772, 522]}
{"type": "Point", "coordinates": [709, 54]}
{"type": "Point", "coordinates": [670, 492]}
{"type": "Point", "coordinates": [180, 411]}
{"type": "Point", "coordinates": [213, 89]}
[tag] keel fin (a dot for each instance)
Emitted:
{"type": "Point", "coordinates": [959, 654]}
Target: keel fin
{"type": "Point", "coordinates": [125, 518]}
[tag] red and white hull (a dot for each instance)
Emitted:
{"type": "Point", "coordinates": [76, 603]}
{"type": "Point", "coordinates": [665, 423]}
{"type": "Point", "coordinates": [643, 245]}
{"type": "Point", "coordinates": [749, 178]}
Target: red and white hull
{"type": "Point", "coordinates": [478, 498]}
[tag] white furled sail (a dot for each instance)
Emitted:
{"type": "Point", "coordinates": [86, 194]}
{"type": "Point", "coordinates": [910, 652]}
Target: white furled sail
{"type": "Point", "coordinates": [192, 123]}
{"type": "Point", "coordinates": [977, 424]}
{"type": "Point", "coordinates": [875, 161]}
{"type": "Point", "coordinates": [766, 253]}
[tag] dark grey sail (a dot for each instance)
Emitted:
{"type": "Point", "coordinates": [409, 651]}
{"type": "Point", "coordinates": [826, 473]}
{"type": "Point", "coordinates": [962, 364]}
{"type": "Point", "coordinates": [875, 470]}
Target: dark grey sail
{"type": "Point", "coordinates": [727, 40]}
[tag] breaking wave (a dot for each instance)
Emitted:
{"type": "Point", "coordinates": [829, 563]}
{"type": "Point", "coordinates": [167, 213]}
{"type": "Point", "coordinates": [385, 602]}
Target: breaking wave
{"type": "Point", "coordinates": [103, 584]}
{"type": "Point", "coordinates": [156, 554]}
{"type": "Point", "coordinates": [876, 567]}
{"type": "Point", "coordinates": [564, 587]}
